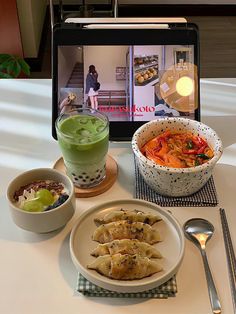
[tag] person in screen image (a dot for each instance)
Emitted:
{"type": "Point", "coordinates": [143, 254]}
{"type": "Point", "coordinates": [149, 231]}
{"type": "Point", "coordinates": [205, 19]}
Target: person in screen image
{"type": "Point", "coordinates": [92, 86]}
{"type": "Point", "coordinates": [67, 103]}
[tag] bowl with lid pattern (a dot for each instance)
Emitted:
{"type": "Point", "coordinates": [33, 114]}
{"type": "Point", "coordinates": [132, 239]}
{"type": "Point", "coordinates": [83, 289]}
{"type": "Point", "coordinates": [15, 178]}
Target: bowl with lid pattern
{"type": "Point", "coordinates": [175, 182]}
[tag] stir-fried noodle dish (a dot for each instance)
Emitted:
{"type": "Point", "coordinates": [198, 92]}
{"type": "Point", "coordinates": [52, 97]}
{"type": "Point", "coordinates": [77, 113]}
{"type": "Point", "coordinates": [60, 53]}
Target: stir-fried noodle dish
{"type": "Point", "coordinates": [177, 150]}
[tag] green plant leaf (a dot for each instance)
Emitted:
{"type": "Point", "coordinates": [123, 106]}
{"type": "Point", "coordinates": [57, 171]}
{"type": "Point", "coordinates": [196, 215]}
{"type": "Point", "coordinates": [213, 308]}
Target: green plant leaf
{"type": "Point", "coordinates": [25, 68]}
{"type": "Point", "coordinates": [10, 68]}
{"type": "Point", "coordinates": [4, 57]}
{"type": "Point", "coordinates": [17, 69]}
{"type": "Point", "coordinates": [14, 69]}
{"type": "Point", "coordinates": [4, 65]}
{"type": "Point", "coordinates": [5, 75]}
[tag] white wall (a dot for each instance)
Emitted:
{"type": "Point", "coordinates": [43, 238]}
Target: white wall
{"type": "Point", "coordinates": [106, 59]}
{"type": "Point", "coordinates": [144, 96]}
{"type": "Point", "coordinates": [169, 55]}
{"type": "Point", "coordinates": [67, 58]}
{"type": "Point", "coordinates": [31, 18]}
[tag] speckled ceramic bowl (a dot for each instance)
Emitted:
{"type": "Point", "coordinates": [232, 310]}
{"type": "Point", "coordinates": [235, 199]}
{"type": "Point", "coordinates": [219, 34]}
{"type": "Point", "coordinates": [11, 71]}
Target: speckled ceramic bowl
{"type": "Point", "coordinates": [175, 181]}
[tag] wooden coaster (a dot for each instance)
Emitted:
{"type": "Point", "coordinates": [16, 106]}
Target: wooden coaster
{"type": "Point", "coordinates": [111, 175]}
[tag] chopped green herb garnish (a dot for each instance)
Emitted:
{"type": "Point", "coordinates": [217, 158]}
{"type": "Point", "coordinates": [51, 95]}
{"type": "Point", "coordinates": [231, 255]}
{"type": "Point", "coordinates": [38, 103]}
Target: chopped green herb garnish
{"type": "Point", "coordinates": [197, 163]}
{"type": "Point", "coordinates": [203, 156]}
{"type": "Point", "coordinates": [189, 144]}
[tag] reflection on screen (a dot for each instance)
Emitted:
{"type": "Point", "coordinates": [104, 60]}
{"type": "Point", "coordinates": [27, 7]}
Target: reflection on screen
{"type": "Point", "coordinates": [129, 83]}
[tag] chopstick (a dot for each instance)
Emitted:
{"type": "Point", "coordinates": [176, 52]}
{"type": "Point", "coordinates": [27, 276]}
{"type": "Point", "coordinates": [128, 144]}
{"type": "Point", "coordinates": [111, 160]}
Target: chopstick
{"type": "Point", "coordinates": [231, 260]}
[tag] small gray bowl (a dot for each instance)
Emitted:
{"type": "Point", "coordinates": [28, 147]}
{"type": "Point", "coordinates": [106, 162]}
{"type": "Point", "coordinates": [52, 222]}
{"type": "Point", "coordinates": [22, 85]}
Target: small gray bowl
{"type": "Point", "coordinates": [175, 181]}
{"type": "Point", "coordinates": [47, 221]}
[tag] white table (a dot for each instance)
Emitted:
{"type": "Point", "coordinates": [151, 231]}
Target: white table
{"type": "Point", "coordinates": [37, 275]}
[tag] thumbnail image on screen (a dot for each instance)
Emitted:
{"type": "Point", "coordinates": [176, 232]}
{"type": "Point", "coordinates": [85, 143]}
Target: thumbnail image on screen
{"type": "Point", "coordinates": [129, 83]}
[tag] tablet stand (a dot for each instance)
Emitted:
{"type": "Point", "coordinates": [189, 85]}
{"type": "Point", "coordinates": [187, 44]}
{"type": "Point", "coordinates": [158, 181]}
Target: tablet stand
{"type": "Point", "coordinates": [84, 10]}
{"type": "Point", "coordinates": [101, 14]}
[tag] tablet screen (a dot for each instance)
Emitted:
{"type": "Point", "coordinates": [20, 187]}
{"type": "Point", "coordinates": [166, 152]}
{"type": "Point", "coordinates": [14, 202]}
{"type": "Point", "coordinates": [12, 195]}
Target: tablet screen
{"type": "Point", "coordinates": [128, 82]}
{"type": "Point", "coordinates": [131, 75]}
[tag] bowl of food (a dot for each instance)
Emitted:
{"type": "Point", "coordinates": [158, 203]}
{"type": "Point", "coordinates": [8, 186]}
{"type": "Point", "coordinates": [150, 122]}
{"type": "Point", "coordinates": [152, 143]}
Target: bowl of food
{"type": "Point", "coordinates": [176, 156]}
{"type": "Point", "coordinates": [41, 200]}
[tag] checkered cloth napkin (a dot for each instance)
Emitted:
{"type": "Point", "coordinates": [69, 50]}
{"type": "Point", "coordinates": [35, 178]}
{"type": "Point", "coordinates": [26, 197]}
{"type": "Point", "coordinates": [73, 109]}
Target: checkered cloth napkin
{"type": "Point", "coordinates": [164, 291]}
{"type": "Point", "coordinates": [207, 196]}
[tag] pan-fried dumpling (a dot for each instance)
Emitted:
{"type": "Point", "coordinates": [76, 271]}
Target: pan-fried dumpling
{"type": "Point", "coordinates": [126, 230]}
{"type": "Point", "coordinates": [125, 267]}
{"type": "Point", "coordinates": [132, 216]}
{"type": "Point", "coordinates": [127, 246]}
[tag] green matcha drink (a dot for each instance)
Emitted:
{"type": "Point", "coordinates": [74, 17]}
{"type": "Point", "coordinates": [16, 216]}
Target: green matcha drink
{"type": "Point", "coordinates": [83, 137]}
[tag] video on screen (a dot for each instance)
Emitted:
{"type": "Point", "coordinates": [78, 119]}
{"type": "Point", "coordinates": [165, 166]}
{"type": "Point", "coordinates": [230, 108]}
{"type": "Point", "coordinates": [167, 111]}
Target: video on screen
{"type": "Point", "coordinates": [129, 83]}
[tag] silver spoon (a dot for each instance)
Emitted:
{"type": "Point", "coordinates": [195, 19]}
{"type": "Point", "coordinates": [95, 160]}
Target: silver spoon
{"type": "Point", "coordinates": [199, 231]}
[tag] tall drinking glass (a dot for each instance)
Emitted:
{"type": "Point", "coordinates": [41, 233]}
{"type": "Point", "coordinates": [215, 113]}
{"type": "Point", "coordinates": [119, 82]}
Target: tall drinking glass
{"type": "Point", "coordinates": [83, 137]}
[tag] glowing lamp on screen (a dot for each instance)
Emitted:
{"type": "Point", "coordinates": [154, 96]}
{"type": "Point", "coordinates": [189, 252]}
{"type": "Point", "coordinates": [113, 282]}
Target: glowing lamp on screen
{"type": "Point", "coordinates": [184, 86]}
{"type": "Point", "coordinates": [178, 87]}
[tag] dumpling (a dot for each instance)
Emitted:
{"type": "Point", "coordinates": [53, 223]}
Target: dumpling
{"type": "Point", "coordinates": [132, 216]}
{"type": "Point", "coordinates": [125, 267]}
{"type": "Point", "coordinates": [126, 230]}
{"type": "Point", "coordinates": [126, 246]}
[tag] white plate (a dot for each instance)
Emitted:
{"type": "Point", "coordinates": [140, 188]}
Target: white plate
{"type": "Point", "coordinates": [172, 246]}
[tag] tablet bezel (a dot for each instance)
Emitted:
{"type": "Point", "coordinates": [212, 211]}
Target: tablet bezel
{"type": "Point", "coordinates": [71, 34]}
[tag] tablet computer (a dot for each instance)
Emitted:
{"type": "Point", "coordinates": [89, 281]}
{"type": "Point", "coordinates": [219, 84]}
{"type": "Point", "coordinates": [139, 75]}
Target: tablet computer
{"type": "Point", "coordinates": [132, 73]}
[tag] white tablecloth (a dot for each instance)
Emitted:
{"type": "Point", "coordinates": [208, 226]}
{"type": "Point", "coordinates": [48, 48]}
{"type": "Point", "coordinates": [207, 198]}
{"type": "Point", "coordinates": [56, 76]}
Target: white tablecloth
{"type": "Point", "coordinates": [37, 275]}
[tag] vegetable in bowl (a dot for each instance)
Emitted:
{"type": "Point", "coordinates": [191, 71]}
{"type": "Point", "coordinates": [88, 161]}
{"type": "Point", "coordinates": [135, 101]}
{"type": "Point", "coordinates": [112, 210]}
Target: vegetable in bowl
{"type": "Point", "coordinates": [41, 195]}
{"type": "Point", "coordinates": [37, 201]}
{"type": "Point", "coordinates": [177, 149]}
{"type": "Point", "coordinates": [178, 177]}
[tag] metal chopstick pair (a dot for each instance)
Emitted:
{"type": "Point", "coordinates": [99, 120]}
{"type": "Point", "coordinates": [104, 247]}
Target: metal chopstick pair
{"type": "Point", "coordinates": [231, 260]}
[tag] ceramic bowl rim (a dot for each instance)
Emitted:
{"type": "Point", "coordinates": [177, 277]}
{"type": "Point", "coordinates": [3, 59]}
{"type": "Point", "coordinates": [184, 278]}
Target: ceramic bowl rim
{"type": "Point", "coordinates": [151, 164]}
{"type": "Point", "coordinates": [24, 174]}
